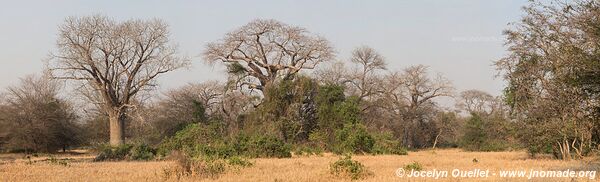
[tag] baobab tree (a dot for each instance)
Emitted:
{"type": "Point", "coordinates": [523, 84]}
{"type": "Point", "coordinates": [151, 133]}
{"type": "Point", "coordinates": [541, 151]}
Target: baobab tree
{"type": "Point", "coordinates": [115, 62]}
{"type": "Point", "coordinates": [266, 50]}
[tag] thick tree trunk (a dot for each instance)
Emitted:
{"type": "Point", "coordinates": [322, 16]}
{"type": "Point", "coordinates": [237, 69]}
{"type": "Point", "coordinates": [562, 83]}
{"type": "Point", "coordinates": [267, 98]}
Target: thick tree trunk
{"type": "Point", "coordinates": [117, 128]}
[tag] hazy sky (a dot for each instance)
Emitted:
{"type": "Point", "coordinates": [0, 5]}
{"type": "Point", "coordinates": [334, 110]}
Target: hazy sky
{"type": "Point", "coordinates": [458, 38]}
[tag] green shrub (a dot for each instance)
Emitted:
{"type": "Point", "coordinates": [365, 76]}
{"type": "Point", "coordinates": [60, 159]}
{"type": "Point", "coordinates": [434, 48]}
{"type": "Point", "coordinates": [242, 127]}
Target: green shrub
{"type": "Point", "coordinates": [142, 152]}
{"type": "Point", "coordinates": [261, 146]}
{"type": "Point", "coordinates": [478, 138]}
{"type": "Point", "coordinates": [109, 153]}
{"type": "Point", "coordinates": [216, 150]}
{"type": "Point", "coordinates": [346, 167]}
{"type": "Point", "coordinates": [354, 138]}
{"type": "Point", "coordinates": [413, 166]}
{"type": "Point", "coordinates": [125, 152]}
{"type": "Point", "coordinates": [203, 140]}
{"type": "Point", "coordinates": [386, 144]}
{"type": "Point", "coordinates": [190, 137]}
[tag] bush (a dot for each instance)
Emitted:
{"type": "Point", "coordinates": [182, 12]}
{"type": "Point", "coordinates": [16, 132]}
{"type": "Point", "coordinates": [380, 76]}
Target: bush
{"type": "Point", "coordinates": [142, 152]}
{"type": "Point", "coordinates": [413, 166]}
{"type": "Point", "coordinates": [386, 144]}
{"type": "Point", "coordinates": [477, 136]}
{"type": "Point", "coordinates": [354, 138]}
{"type": "Point", "coordinates": [346, 167]}
{"type": "Point", "coordinates": [190, 137]}
{"type": "Point", "coordinates": [261, 146]}
{"type": "Point", "coordinates": [125, 152]}
{"type": "Point", "coordinates": [202, 140]}
{"type": "Point", "coordinates": [108, 153]}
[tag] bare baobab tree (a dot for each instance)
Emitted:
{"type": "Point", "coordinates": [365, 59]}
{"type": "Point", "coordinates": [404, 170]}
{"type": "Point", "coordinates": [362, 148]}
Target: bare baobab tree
{"type": "Point", "coordinates": [266, 50]}
{"type": "Point", "coordinates": [115, 61]}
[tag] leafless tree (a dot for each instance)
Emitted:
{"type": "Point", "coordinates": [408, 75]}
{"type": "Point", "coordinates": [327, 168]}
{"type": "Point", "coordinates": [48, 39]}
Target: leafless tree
{"type": "Point", "coordinates": [332, 73]}
{"type": "Point", "coordinates": [476, 101]}
{"type": "Point", "coordinates": [36, 118]}
{"type": "Point", "coordinates": [115, 61]}
{"type": "Point", "coordinates": [409, 97]}
{"type": "Point", "coordinates": [365, 79]}
{"type": "Point", "coordinates": [266, 50]}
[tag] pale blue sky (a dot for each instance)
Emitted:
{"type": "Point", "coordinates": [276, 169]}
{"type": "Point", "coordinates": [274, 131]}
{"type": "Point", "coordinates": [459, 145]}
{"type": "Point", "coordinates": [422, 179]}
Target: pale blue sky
{"type": "Point", "coordinates": [458, 38]}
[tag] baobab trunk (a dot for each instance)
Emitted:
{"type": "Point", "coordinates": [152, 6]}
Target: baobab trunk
{"type": "Point", "coordinates": [117, 127]}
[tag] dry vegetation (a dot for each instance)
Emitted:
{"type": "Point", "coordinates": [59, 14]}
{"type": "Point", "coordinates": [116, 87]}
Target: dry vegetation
{"type": "Point", "coordinates": [80, 167]}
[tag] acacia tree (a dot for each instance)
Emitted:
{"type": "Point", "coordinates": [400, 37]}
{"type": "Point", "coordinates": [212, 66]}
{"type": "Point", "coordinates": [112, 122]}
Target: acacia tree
{"type": "Point", "coordinates": [266, 50]}
{"type": "Point", "coordinates": [115, 62]}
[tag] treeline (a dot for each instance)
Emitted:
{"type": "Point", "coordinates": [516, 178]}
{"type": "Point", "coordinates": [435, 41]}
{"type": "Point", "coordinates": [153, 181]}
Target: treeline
{"type": "Point", "coordinates": [271, 106]}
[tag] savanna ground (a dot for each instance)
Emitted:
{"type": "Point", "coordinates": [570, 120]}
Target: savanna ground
{"type": "Point", "coordinates": [79, 167]}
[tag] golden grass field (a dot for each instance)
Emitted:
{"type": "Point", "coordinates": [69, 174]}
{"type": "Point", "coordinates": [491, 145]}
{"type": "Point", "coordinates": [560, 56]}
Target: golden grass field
{"type": "Point", "coordinates": [14, 167]}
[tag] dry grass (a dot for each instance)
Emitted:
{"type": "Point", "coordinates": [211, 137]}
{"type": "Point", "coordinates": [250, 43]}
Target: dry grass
{"type": "Point", "coordinates": [312, 168]}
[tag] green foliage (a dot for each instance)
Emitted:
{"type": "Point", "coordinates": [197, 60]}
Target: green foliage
{"type": "Point", "coordinates": [328, 99]}
{"type": "Point", "coordinates": [484, 134]}
{"type": "Point", "coordinates": [346, 167]}
{"type": "Point", "coordinates": [354, 138]}
{"type": "Point", "coordinates": [386, 144]}
{"type": "Point", "coordinates": [125, 152]}
{"type": "Point", "coordinates": [350, 111]}
{"type": "Point", "coordinates": [190, 137]}
{"type": "Point", "coordinates": [413, 166]}
{"type": "Point", "coordinates": [108, 153]}
{"type": "Point", "coordinates": [339, 122]}
{"type": "Point", "coordinates": [287, 110]}
{"type": "Point", "coordinates": [475, 136]}
{"type": "Point", "coordinates": [203, 140]}
{"type": "Point", "coordinates": [256, 146]}
{"type": "Point", "coordinates": [199, 112]}
{"type": "Point", "coordinates": [142, 152]}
